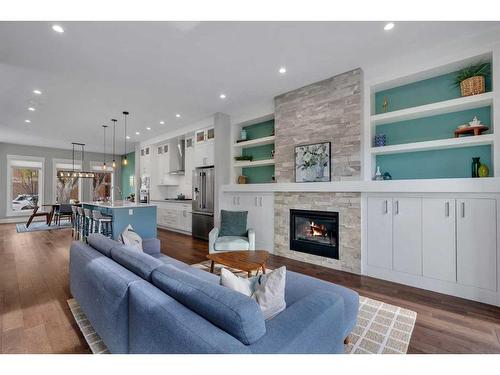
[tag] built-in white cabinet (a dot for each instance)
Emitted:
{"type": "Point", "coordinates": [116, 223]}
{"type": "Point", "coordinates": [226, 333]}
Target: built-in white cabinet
{"type": "Point", "coordinates": [204, 147]}
{"type": "Point", "coordinates": [260, 207]}
{"type": "Point", "coordinates": [439, 239]}
{"type": "Point", "coordinates": [379, 234]}
{"type": "Point", "coordinates": [442, 243]}
{"type": "Point", "coordinates": [145, 161]}
{"type": "Point", "coordinates": [407, 235]}
{"type": "Point", "coordinates": [175, 216]}
{"type": "Point", "coordinates": [476, 243]}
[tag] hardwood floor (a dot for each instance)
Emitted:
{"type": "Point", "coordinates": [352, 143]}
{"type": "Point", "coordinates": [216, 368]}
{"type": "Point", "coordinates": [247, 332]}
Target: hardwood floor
{"type": "Point", "coordinates": [34, 316]}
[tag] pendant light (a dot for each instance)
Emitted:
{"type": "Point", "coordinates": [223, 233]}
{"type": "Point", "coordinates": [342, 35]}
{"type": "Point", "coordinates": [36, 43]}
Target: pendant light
{"type": "Point", "coordinates": [114, 130]}
{"type": "Point", "coordinates": [125, 114]}
{"type": "Point", "coordinates": [70, 174]}
{"type": "Point", "coordinates": [104, 149]}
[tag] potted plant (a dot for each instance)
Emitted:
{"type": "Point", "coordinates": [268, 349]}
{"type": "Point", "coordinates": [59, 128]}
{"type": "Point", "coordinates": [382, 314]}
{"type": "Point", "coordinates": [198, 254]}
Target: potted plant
{"type": "Point", "coordinates": [471, 79]}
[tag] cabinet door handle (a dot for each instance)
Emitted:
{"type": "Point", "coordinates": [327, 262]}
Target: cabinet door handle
{"type": "Point", "coordinates": [397, 207]}
{"type": "Point", "coordinates": [260, 201]}
{"type": "Point", "coordinates": [234, 201]}
{"type": "Point", "coordinates": [447, 209]}
{"type": "Point", "coordinates": [463, 209]}
{"type": "Point", "coordinates": [255, 201]}
{"type": "Point", "coordinates": [386, 207]}
{"type": "Point", "coordinates": [238, 201]}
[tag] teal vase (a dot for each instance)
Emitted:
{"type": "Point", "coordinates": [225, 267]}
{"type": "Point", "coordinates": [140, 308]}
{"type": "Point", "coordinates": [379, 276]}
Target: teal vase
{"type": "Point", "coordinates": [475, 166]}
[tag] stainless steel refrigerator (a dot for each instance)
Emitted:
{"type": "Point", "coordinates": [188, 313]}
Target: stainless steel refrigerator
{"type": "Point", "coordinates": [203, 202]}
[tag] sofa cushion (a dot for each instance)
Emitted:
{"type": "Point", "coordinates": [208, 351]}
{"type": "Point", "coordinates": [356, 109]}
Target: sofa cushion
{"type": "Point", "coordinates": [238, 315]}
{"type": "Point", "coordinates": [233, 223]}
{"type": "Point", "coordinates": [102, 243]}
{"type": "Point", "coordinates": [231, 243]}
{"type": "Point", "coordinates": [138, 262]}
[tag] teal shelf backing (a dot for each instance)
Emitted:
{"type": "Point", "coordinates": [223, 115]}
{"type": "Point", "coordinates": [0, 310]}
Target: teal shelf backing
{"type": "Point", "coordinates": [447, 163]}
{"type": "Point", "coordinates": [259, 175]}
{"type": "Point", "coordinates": [128, 171]}
{"type": "Point", "coordinates": [260, 130]}
{"type": "Point", "coordinates": [432, 128]}
{"type": "Point", "coordinates": [423, 92]}
{"type": "Point", "coordinates": [259, 152]}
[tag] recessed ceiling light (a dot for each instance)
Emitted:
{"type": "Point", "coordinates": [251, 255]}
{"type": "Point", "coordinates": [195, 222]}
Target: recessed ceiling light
{"type": "Point", "coordinates": [32, 109]}
{"type": "Point", "coordinates": [137, 133]}
{"type": "Point", "coordinates": [128, 137]}
{"type": "Point", "coordinates": [177, 115]}
{"type": "Point", "coordinates": [389, 26]}
{"type": "Point", "coordinates": [57, 28]}
{"type": "Point", "coordinates": [282, 70]}
{"type": "Point", "coordinates": [222, 96]}
{"type": "Point", "coordinates": [27, 121]}
{"type": "Point", "coordinates": [148, 128]}
{"type": "Point", "coordinates": [37, 92]}
{"type": "Point", "coordinates": [162, 122]}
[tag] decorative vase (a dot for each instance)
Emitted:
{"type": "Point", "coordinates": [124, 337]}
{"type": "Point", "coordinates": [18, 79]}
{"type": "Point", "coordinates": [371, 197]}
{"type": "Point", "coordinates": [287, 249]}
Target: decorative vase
{"type": "Point", "coordinates": [380, 140]}
{"type": "Point", "coordinates": [378, 174]}
{"type": "Point", "coordinates": [483, 171]}
{"type": "Point", "coordinates": [475, 167]}
{"type": "Point", "coordinates": [243, 135]}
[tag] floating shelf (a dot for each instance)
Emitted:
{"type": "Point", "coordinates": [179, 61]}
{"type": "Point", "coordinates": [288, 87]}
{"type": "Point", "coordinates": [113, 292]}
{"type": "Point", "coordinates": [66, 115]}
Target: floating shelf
{"type": "Point", "coordinates": [250, 164]}
{"type": "Point", "coordinates": [439, 108]}
{"type": "Point", "coordinates": [441, 144]}
{"type": "Point", "coordinates": [256, 142]}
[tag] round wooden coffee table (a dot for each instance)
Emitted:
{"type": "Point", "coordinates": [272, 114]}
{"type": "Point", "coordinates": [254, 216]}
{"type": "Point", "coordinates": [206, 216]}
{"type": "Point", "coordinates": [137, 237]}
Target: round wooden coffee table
{"type": "Point", "coordinates": [246, 261]}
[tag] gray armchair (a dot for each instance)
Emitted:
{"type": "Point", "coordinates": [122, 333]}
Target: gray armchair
{"type": "Point", "coordinates": [233, 234]}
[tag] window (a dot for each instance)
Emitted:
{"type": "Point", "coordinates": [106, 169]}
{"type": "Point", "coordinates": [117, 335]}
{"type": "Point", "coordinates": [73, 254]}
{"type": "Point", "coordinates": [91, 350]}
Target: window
{"type": "Point", "coordinates": [24, 184]}
{"type": "Point", "coordinates": [66, 189]}
{"type": "Point", "coordinates": [101, 186]}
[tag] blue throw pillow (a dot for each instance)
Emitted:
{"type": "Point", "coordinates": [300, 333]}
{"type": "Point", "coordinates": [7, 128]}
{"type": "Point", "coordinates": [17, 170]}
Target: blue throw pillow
{"type": "Point", "coordinates": [233, 223]}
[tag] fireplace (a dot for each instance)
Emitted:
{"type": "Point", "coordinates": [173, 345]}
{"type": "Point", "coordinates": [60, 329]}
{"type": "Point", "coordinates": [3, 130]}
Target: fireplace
{"type": "Point", "coordinates": [315, 232]}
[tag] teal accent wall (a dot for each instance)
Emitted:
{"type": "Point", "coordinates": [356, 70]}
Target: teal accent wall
{"type": "Point", "coordinates": [432, 128]}
{"type": "Point", "coordinates": [423, 92]}
{"type": "Point", "coordinates": [127, 171]}
{"type": "Point", "coordinates": [259, 175]}
{"type": "Point", "coordinates": [260, 130]}
{"type": "Point", "coordinates": [448, 163]}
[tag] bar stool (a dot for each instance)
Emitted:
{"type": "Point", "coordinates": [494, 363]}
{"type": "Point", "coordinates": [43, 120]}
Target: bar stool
{"type": "Point", "coordinates": [89, 221]}
{"type": "Point", "coordinates": [74, 222]}
{"type": "Point", "coordinates": [80, 228]}
{"type": "Point", "coordinates": [104, 223]}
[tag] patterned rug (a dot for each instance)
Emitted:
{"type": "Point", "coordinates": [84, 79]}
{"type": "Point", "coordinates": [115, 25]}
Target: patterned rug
{"type": "Point", "coordinates": [381, 328]}
{"type": "Point", "coordinates": [37, 226]}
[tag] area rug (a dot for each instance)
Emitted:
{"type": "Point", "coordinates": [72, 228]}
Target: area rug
{"type": "Point", "coordinates": [95, 343]}
{"type": "Point", "coordinates": [381, 328]}
{"type": "Point", "coordinates": [37, 226]}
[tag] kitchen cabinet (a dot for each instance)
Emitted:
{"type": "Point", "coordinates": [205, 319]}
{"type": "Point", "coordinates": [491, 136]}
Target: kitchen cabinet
{"type": "Point", "coordinates": [379, 233]}
{"type": "Point", "coordinates": [204, 154]}
{"type": "Point", "coordinates": [145, 161]}
{"type": "Point", "coordinates": [175, 216]}
{"type": "Point", "coordinates": [407, 235]}
{"type": "Point", "coordinates": [439, 239]}
{"type": "Point", "coordinates": [476, 243]}
{"type": "Point", "coordinates": [260, 218]}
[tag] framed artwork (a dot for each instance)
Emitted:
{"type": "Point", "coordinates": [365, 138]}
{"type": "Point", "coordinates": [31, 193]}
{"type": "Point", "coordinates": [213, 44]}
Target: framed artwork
{"type": "Point", "coordinates": [312, 162]}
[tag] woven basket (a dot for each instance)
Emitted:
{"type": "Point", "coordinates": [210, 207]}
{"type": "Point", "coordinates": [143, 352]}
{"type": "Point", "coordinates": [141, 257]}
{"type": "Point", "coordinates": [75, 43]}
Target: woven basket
{"type": "Point", "coordinates": [472, 86]}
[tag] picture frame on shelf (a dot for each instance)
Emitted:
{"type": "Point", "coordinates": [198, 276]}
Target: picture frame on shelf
{"type": "Point", "coordinates": [313, 162]}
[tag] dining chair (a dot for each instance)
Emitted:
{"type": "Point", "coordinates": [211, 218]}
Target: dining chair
{"type": "Point", "coordinates": [37, 213]}
{"type": "Point", "coordinates": [64, 211]}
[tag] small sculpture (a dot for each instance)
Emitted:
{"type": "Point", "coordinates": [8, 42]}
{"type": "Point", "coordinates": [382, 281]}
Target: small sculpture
{"type": "Point", "coordinates": [475, 122]}
{"type": "Point", "coordinates": [385, 104]}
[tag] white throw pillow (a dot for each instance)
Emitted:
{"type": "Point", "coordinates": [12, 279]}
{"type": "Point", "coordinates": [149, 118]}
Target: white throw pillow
{"type": "Point", "coordinates": [267, 290]}
{"type": "Point", "coordinates": [131, 239]}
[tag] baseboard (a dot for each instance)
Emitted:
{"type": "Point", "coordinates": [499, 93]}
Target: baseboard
{"type": "Point", "coordinates": [19, 219]}
{"type": "Point", "coordinates": [174, 230]}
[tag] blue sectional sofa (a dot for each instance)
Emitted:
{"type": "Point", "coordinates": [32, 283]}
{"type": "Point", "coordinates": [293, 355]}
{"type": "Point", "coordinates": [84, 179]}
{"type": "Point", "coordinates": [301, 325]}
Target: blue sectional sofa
{"type": "Point", "coordinates": [151, 303]}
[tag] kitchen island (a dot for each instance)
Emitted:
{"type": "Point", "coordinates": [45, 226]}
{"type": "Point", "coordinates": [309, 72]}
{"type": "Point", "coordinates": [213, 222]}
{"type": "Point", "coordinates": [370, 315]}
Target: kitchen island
{"type": "Point", "coordinates": [141, 216]}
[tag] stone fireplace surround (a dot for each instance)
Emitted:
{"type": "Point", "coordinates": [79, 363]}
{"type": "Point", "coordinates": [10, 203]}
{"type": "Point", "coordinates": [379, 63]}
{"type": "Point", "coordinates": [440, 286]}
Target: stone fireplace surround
{"type": "Point", "coordinates": [329, 110]}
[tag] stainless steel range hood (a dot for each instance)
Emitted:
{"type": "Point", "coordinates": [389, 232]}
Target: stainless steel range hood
{"type": "Point", "coordinates": [177, 156]}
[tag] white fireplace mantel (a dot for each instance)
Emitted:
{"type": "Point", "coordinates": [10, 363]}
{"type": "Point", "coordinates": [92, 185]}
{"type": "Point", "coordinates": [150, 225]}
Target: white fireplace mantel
{"type": "Point", "coordinates": [459, 185]}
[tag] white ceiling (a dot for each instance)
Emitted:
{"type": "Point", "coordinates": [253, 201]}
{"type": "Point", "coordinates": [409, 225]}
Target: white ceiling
{"type": "Point", "coordinates": [95, 70]}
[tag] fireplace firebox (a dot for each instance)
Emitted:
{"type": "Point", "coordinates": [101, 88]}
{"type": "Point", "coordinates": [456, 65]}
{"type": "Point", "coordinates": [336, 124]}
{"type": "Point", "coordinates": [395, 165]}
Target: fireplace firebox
{"type": "Point", "coordinates": [315, 232]}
